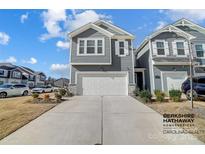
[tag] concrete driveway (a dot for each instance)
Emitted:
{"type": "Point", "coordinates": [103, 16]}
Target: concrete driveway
{"type": "Point", "coordinates": [98, 120]}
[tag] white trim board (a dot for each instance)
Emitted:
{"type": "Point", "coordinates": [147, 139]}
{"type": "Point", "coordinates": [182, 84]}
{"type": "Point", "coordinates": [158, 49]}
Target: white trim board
{"type": "Point", "coordinates": [88, 26]}
{"type": "Point", "coordinates": [102, 72]}
{"type": "Point", "coordinates": [90, 63]}
{"type": "Point", "coordinates": [116, 28]}
{"type": "Point", "coordinates": [96, 46]}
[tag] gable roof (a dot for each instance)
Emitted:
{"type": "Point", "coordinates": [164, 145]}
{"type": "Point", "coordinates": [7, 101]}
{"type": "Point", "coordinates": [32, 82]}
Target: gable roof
{"type": "Point", "coordinates": [27, 70]}
{"type": "Point", "coordinates": [7, 66]}
{"type": "Point", "coordinates": [171, 28]}
{"type": "Point", "coordinates": [117, 32]}
{"type": "Point", "coordinates": [114, 27]}
{"type": "Point", "coordinates": [88, 26]}
{"type": "Point", "coordinates": [186, 22]}
{"type": "Point", "coordinates": [168, 28]}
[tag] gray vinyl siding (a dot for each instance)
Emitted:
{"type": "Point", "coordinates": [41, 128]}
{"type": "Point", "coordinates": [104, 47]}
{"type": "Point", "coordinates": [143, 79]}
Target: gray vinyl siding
{"type": "Point", "coordinates": [200, 39]}
{"type": "Point", "coordinates": [169, 37]}
{"type": "Point", "coordinates": [111, 30]}
{"type": "Point", "coordinates": [90, 33]}
{"type": "Point", "coordinates": [143, 62]}
{"type": "Point", "coordinates": [118, 64]}
{"type": "Point", "coordinates": [159, 69]}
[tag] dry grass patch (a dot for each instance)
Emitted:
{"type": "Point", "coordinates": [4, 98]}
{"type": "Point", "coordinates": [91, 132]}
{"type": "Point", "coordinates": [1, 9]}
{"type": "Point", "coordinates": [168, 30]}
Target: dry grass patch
{"type": "Point", "coordinates": [183, 108]}
{"type": "Point", "coordinates": [17, 111]}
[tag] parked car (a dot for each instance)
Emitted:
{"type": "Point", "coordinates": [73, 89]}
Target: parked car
{"type": "Point", "coordinates": [198, 87]}
{"type": "Point", "coordinates": [42, 89]}
{"type": "Point", "coordinates": [8, 90]}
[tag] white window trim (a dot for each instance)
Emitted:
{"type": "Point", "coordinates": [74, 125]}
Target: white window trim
{"type": "Point", "coordinates": [184, 48]}
{"type": "Point", "coordinates": [14, 74]}
{"type": "Point", "coordinates": [125, 52]}
{"type": "Point", "coordinates": [122, 55]}
{"type": "Point", "coordinates": [157, 48]}
{"type": "Point", "coordinates": [85, 47]}
{"type": "Point", "coordinates": [196, 50]}
{"type": "Point", "coordinates": [3, 72]}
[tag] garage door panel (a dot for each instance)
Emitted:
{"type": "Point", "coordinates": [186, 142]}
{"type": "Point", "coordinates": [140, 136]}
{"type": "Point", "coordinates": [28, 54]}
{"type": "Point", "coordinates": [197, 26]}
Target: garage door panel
{"type": "Point", "coordinates": [104, 85]}
{"type": "Point", "coordinates": [173, 80]}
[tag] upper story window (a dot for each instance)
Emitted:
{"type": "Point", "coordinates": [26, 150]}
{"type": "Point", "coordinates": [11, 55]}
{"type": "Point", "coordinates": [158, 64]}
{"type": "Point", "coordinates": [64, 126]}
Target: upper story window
{"type": "Point", "coordinates": [93, 46]}
{"type": "Point", "coordinates": [1, 72]}
{"type": "Point", "coordinates": [180, 48]}
{"type": "Point", "coordinates": [42, 77]}
{"type": "Point", "coordinates": [160, 48]}
{"type": "Point", "coordinates": [16, 74]}
{"type": "Point", "coordinates": [121, 48]}
{"type": "Point", "coordinates": [199, 50]}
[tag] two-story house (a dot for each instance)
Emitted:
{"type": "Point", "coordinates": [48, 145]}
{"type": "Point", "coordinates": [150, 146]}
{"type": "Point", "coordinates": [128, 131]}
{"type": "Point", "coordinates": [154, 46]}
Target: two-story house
{"type": "Point", "coordinates": [102, 61]}
{"type": "Point", "coordinates": [163, 59]}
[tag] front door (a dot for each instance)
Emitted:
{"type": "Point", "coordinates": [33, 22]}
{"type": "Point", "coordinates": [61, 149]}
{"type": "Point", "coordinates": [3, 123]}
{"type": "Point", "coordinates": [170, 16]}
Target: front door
{"type": "Point", "coordinates": [139, 81]}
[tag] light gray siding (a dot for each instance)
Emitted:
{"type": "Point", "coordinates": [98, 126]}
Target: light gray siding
{"type": "Point", "coordinates": [90, 33]}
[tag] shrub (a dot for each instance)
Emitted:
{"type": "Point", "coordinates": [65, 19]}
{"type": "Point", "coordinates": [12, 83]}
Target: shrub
{"type": "Point", "coordinates": [136, 92]}
{"type": "Point", "coordinates": [175, 95]}
{"type": "Point", "coordinates": [46, 97]}
{"type": "Point", "coordinates": [62, 92]}
{"type": "Point", "coordinates": [145, 95]}
{"type": "Point", "coordinates": [35, 95]}
{"type": "Point", "coordinates": [159, 95]}
{"type": "Point", "coordinates": [58, 96]}
{"type": "Point", "coordinates": [70, 94]}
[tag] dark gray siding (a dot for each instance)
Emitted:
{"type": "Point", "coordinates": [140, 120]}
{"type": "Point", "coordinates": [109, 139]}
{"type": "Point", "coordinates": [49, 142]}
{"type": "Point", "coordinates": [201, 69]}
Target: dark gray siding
{"type": "Point", "coordinates": [118, 64]}
{"type": "Point", "coordinates": [90, 33]}
{"type": "Point", "coordinates": [143, 62]}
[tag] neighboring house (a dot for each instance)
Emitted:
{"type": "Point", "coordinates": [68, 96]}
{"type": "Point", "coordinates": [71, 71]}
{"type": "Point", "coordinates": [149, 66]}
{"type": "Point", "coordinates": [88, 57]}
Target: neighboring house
{"type": "Point", "coordinates": [62, 82]}
{"type": "Point", "coordinates": [28, 76]}
{"type": "Point", "coordinates": [40, 78]}
{"type": "Point", "coordinates": [162, 60]}
{"type": "Point", "coordinates": [102, 61]}
{"type": "Point", "coordinates": [10, 73]}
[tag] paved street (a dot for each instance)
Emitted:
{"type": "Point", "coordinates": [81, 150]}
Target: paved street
{"type": "Point", "coordinates": [97, 120]}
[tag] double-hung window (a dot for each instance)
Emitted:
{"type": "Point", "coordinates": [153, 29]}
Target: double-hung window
{"type": "Point", "coordinates": [160, 48]}
{"type": "Point", "coordinates": [121, 48]}
{"type": "Point", "coordinates": [180, 48]}
{"type": "Point", "coordinates": [1, 72]}
{"type": "Point", "coordinates": [199, 50]}
{"type": "Point", "coordinates": [16, 74]}
{"type": "Point", "coordinates": [91, 46]}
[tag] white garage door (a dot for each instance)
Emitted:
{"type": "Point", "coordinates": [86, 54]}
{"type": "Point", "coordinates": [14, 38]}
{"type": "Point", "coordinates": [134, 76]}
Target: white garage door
{"type": "Point", "coordinates": [175, 80]}
{"type": "Point", "coordinates": [106, 84]}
